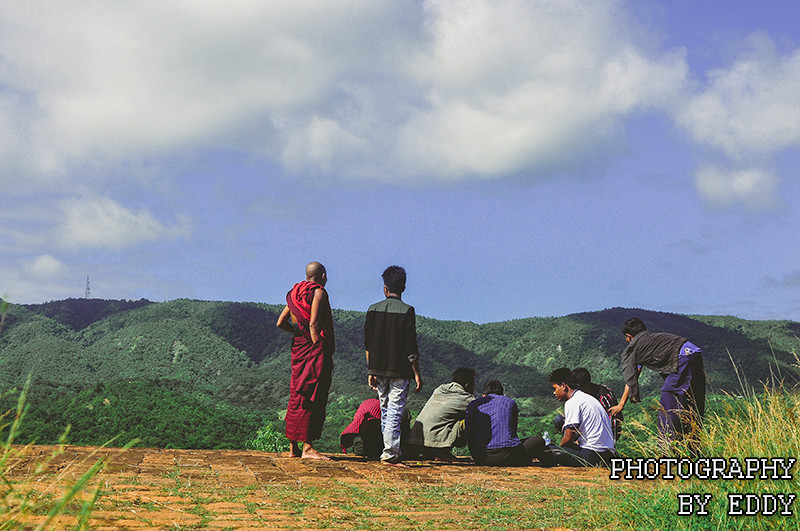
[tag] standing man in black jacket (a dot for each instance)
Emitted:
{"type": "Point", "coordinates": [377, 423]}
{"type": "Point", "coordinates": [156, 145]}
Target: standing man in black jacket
{"type": "Point", "coordinates": [390, 339]}
{"type": "Point", "coordinates": [680, 363]}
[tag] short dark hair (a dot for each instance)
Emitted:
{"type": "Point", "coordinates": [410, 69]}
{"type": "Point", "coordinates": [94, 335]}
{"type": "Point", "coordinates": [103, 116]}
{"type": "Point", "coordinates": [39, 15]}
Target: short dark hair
{"type": "Point", "coordinates": [633, 326]}
{"type": "Point", "coordinates": [493, 387]}
{"type": "Point", "coordinates": [563, 376]}
{"type": "Point", "coordinates": [582, 377]}
{"type": "Point", "coordinates": [464, 376]}
{"type": "Point", "coordinates": [394, 278]}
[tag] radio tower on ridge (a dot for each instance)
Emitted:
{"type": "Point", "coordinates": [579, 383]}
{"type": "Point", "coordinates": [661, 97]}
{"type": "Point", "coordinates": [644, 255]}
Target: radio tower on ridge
{"type": "Point", "coordinates": [88, 294]}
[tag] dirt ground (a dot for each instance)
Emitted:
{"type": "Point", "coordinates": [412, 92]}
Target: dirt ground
{"type": "Point", "coordinates": [147, 488]}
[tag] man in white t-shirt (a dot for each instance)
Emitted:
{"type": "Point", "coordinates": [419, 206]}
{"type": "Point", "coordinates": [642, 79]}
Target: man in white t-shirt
{"type": "Point", "coordinates": [587, 438]}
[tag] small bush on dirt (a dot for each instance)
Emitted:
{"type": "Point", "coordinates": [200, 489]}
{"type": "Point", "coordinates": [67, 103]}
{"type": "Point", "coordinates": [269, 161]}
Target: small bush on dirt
{"type": "Point", "coordinates": [268, 439]}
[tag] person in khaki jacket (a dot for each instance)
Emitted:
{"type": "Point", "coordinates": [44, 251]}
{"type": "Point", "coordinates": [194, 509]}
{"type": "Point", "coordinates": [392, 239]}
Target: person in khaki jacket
{"type": "Point", "coordinates": [440, 425]}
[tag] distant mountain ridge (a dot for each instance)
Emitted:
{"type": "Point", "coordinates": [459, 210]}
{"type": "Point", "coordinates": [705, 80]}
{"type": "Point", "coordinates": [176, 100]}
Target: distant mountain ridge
{"type": "Point", "coordinates": [231, 354]}
{"type": "Point", "coordinates": [80, 313]}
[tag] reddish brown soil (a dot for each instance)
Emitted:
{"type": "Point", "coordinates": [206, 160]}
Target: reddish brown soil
{"type": "Point", "coordinates": [145, 488]}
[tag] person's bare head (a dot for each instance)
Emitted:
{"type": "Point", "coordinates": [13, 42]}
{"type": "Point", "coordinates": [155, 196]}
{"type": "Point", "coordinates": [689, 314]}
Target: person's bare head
{"type": "Point", "coordinates": [316, 273]}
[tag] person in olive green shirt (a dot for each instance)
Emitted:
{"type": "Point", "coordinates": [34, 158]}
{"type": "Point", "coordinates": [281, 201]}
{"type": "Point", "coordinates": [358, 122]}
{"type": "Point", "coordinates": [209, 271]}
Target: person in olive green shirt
{"type": "Point", "coordinates": [440, 425]}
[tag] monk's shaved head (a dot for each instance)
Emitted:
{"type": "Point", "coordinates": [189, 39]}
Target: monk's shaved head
{"type": "Point", "coordinates": [315, 271]}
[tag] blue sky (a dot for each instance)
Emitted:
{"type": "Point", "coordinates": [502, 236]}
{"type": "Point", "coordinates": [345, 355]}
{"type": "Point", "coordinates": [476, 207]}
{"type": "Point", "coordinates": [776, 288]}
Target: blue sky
{"type": "Point", "coordinates": [519, 158]}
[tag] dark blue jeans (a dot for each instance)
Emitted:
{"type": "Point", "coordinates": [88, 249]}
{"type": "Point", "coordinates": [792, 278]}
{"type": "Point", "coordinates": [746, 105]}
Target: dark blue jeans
{"type": "Point", "coordinates": [683, 399]}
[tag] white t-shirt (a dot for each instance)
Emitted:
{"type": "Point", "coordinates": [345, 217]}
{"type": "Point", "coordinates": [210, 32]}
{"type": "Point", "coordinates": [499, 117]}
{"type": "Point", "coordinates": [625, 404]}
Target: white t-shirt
{"type": "Point", "coordinates": [584, 413]}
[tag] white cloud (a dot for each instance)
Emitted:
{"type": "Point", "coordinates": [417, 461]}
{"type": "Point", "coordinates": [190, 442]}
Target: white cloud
{"type": "Point", "coordinates": [36, 279]}
{"type": "Point", "coordinates": [44, 278]}
{"type": "Point", "coordinates": [100, 222]}
{"type": "Point", "coordinates": [383, 90]}
{"type": "Point", "coordinates": [119, 80]}
{"type": "Point", "coordinates": [754, 188]}
{"type": "Point", "coordinates": [322, 145]}
{"type": "Point", "coordinates": [521, 85]}
{"type": "Point", "coordinates": [377, 88]}
{"type": "Point", "coordinates": [46, 266]}
{"type": "Point", "coordinates": [748, 112]}
{"type": "Point", "coordinates": [750, 109]}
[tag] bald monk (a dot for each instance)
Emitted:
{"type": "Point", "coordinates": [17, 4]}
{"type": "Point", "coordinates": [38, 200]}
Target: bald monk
{"type": "Point", "coordinates": [307, 316]}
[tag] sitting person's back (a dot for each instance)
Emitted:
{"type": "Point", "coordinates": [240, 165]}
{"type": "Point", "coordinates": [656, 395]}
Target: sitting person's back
{"type": "Point", "coordinates": [491, 429]}
{"type": "Point", "coordinates": [440, 425]}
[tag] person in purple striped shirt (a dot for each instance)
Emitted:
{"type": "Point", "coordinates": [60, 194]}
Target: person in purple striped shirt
{"type": "Point", "coordinates": [491, 428]}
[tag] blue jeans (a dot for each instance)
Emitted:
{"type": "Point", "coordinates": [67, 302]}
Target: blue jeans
{"type": "Point", "coordinates": [392, 393]}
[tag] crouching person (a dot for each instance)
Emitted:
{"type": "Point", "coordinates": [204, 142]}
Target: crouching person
{"type": "Point", "coordinates": [587, 439]}
{"type": "Point", "coordinates": [364, 435]}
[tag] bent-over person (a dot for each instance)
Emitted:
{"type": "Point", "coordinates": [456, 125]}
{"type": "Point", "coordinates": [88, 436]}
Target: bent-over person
{"type": "Point", "coordinates": [683, 393]}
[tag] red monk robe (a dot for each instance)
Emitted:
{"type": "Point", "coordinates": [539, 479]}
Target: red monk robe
{"type": "Point", "coordinates": [312, 367]}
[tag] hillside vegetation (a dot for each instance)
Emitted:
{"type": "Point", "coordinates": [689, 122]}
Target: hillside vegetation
{"type": "Point", "coordinates": [200, 374]}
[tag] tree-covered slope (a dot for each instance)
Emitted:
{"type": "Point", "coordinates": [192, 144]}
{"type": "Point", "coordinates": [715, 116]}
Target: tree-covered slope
{"type": "Point", "coordinates": [208, 356]}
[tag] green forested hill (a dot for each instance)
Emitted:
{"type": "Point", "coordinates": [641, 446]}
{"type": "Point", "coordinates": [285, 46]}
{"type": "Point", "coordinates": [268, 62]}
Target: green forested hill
{"type": "Point", "coordinates": [190, 373]}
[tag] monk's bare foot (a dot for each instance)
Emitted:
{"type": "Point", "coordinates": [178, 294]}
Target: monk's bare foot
{"type": "Point", "coordinates": [294, 450]}
{"type": "Point", "coordinates": [398, 464]}
{"type": "Point", "coordinates": [313, 454]}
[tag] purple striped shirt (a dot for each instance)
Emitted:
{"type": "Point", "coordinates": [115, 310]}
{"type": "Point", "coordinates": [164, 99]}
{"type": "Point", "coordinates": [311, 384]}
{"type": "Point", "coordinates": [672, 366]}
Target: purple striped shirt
{"type": "Point", "coordinates": [491, 422]}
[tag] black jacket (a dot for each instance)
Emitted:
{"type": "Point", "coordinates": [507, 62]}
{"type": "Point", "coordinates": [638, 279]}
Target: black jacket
{"type": "Point", "coordinates": [390, 337]}
{"type": "Point", "coordinates": [657, 351]}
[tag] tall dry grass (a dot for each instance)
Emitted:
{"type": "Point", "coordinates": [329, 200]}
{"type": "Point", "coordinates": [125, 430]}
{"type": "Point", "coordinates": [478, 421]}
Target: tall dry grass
{"type": "Point", "coordinates": [33, 496]}
{"type": "Point", "coordinates": [752, 424]}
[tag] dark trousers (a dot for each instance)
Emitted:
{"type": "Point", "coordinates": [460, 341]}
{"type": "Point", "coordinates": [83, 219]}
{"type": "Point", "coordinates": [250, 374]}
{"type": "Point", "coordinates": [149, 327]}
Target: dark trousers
{"type": "Point", "coordinates": [570, 455]}
{"type": "Point", "coordinates": [574, 455]}
{"type": "Point", "coordinates": [519, 455]}
{"type": "Point", "coordinates": [683, 399]}
{"type": "Point", "coordinates": [368, 444]}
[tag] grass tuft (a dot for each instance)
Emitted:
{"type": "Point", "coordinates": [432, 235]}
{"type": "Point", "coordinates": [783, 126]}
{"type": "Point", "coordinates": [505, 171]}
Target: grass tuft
{"type": "Point", "coordinates": [750, 425]}
{"type": "Point", "coordinates": [40, 498]}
